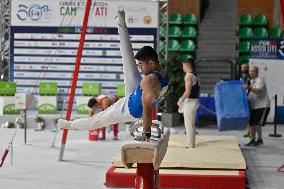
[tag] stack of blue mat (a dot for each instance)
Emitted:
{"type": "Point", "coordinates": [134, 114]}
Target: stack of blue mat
{"type": "Point", "coordinates": [231, 103]}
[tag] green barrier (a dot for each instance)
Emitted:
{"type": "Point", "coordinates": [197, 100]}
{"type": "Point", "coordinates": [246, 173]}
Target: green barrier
{"type": "Point", "coordinates": [7, 88]}
{"type": "Point", "coordinates": [47, 105]}
{"type": "Point", "coordinates": [82, 104]}
{"type": "Point", "coordinates": [47, 109]}
{"type": "Point", "coordinates": [10, 109]}
{"type": "Point", "coordinates": [91, 89]}
{"type": "Point", "coordinates": [83, 109]}
{"type": "Point", "coordinates": [48, 88]}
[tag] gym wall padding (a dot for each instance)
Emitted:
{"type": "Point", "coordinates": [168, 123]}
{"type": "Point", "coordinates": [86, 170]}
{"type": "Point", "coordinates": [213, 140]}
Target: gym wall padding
{"type": "Point", "coordinates": [232, 107]}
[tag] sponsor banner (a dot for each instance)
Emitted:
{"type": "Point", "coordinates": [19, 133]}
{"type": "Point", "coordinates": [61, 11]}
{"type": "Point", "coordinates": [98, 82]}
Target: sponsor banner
{"type": "Point", "coordinates": [47, 104]}
{"type": "Point", "coordinates": [82, 104]}
{"type": "Point", "coordinates": [62, 75]}
{"type": "Point", "coordinates": [91, 89]}
{"type": "Point", "coordinates": [68, 44]}
{"type": "Point", "coordinates": [43, 49]}
{"type": "Point", "coordinates": [95, 68]}
{"type": "Point", "coordinates": [66, 52]}
{"type": "Point", "coordinates": [62, 91]}
{"type": "Point", "coordinates": [280, 49]}
{"type": "Point", "coordinates": [89, 37]}
{"type": "Point", "coordinates": [63, 97]}
{"type": "Point", "coordinates": [268, 56]}
{"type": "Point", "coordinates": [48, 88]}
{"type": "Point", "coordinates": [267, 49]}
{"type": "Point", "coordinates": [66, 83]}
{"type": "Point", "coordinates": [64, 60]}
{"type": "Point", "coordinates": [51, 13]}
{"type": "Point", "coordinates": [7, 88]}
{"type": "Point", "coordinates": [7, 106]}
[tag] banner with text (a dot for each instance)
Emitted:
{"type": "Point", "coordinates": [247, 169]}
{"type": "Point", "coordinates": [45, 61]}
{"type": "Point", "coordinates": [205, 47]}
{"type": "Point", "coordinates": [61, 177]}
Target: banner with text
{"type": "Point", "coordinates": [267, 49]}
{"type": "Point", "coordinates": [45, 36]}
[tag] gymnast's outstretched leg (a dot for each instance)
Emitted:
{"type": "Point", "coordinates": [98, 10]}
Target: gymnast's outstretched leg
{"type": "Point", "coordinates": [113, 114]}
{"type": "Point", "coordinates": [130, 69]}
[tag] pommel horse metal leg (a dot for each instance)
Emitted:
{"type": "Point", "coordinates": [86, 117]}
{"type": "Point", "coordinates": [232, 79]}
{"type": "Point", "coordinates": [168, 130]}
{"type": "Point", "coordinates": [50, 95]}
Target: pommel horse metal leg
{"type": "Point", "coordinates": [147, 155]}
{"type": "Point", "coordinates": [147, 177]}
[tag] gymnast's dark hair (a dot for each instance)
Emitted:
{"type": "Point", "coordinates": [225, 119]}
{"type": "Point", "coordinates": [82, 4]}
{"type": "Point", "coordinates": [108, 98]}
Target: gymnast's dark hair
{"type": "Point", "coordinates": [92, 102]}
{"type": "Point", "coordinates": [147, 53]}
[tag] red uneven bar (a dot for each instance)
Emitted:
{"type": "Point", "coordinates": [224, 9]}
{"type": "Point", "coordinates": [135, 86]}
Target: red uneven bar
{"type": "Point", "coordinates": [75, 75]}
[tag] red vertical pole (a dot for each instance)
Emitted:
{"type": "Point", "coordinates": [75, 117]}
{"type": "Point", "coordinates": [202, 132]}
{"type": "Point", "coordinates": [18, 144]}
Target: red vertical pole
{"type": "Point", "coordinates": [75, 75]}
{"type": "Point", "coordinates": [4, 156]}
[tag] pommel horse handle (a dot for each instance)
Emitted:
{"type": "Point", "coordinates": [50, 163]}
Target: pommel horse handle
{"type": "Point", "coordinates": [157, 125]}
{"type": "Point", "coordinates": [147, 155]}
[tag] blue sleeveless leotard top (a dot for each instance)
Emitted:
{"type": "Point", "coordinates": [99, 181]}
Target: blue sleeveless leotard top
{"type": "Point", "coordinates": [135, 98]}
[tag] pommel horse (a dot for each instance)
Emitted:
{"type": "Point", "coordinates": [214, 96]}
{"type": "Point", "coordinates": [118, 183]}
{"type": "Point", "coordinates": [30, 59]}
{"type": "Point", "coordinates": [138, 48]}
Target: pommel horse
{"type": "Point", "coordinates": [147, 155]}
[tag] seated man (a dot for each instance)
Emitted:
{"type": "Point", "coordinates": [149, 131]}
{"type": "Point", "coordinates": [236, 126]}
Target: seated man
{"type": "Point", "coordinates": [141, 94]}
{"type": "Point", "coordinates": [102, 102]}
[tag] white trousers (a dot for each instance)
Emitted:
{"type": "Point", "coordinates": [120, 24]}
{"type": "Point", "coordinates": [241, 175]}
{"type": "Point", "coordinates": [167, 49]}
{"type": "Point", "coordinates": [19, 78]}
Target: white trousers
{"type": "Point", "coordinates": [119, 111]}
{"type": "Point", "coordinates": [189, 112]}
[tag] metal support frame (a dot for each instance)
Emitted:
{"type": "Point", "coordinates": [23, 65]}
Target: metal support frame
{"type": "Point", "coordinates": [162, 39]}
{"type": "Point", "coordinates": [163, 23]}
{"type": "Point", "coordinates": [5, 15]}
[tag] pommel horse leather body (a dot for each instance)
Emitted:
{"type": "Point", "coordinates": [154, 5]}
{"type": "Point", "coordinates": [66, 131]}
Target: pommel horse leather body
{"type": "Point", "coordinates": [134, 151]}
{"type": "Point", "coordinates": [147, 155]}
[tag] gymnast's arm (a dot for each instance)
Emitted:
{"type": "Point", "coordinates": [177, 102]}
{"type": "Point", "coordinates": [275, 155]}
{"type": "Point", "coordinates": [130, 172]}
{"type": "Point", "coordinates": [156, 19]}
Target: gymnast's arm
{"type": "Point", "coordinates": [149, 94]}
{"type": "Point", "coordinates": [188, 85]}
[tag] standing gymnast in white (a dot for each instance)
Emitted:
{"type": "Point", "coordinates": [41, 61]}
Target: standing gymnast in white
{"type": "Point", "coordinates": [141, 94]}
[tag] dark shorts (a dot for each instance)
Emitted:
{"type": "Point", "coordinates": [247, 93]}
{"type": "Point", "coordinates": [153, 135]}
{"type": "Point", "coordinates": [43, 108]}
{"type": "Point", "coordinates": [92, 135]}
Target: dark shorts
{"type": "Point", "coordinates": [258, 116]}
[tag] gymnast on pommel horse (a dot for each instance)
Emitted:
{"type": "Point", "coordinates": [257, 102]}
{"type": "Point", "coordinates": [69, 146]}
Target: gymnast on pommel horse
{"type": "Point", "coordinates": [141, 94]}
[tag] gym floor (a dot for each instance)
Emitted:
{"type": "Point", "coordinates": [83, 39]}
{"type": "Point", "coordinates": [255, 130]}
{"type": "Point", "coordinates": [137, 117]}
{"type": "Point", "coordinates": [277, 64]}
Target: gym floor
{"type": "Point", "coordinates": [36, 165]}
